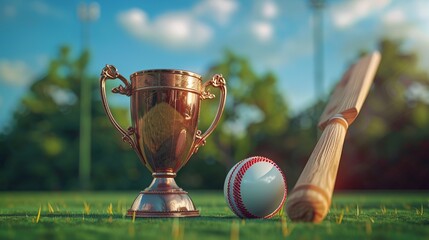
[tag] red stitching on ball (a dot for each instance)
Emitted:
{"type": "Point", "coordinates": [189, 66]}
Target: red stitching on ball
{"type": "Point", "coordinates": [237, 185]}
{"type": "Point", "coordinates": [229, 185]}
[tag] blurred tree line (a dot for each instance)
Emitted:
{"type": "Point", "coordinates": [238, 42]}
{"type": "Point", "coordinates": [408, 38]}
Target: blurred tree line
{"type": "Point", "coordinates": [41, 148]}
{"type": "Point", "coordinates": [385, 148]}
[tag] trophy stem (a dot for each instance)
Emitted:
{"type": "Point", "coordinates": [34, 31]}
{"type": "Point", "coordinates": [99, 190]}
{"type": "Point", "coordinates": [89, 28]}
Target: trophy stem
{"type": "Point", "coordinates": [163, 198]}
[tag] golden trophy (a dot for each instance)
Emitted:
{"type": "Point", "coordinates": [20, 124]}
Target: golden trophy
{"type": "Point", "coordinates": [165, 107]}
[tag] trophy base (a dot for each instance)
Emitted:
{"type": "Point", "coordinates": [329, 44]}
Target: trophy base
{"type": "Point", "coordinates": [163, 198]}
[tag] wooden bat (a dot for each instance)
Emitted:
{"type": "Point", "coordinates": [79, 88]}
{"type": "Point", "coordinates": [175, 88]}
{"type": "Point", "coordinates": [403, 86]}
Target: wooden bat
{"type": "Point", "coordinates": [311, 198]}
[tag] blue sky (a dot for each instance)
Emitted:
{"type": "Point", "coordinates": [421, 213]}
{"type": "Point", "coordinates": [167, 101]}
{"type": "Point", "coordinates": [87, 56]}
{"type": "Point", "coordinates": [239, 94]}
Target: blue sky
{"type": "Point", "coordinates": [275, 35]}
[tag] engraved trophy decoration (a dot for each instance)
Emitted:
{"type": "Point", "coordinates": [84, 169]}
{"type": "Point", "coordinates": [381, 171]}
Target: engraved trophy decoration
{"type": "Point", "coordinates": [165, 106]}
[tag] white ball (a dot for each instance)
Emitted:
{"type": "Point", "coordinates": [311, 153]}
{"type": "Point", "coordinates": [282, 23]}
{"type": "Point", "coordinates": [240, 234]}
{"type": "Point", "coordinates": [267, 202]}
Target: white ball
{"type": "Point", "coordinates": [255, 188]}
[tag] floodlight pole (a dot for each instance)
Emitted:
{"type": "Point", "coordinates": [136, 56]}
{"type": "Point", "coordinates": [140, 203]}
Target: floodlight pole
{"type": "Point", "coordinates": [87, 13]}
{"type": "Point", "coordinates": [317, 6]}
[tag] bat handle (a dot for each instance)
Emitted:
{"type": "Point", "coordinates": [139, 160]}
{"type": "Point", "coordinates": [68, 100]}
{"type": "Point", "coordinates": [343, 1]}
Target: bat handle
{"type": "Point", "coordinates": [311, 198]}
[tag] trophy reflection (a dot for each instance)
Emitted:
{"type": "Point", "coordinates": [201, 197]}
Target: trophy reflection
{"type": "Point", "coordinates": [165, 107]}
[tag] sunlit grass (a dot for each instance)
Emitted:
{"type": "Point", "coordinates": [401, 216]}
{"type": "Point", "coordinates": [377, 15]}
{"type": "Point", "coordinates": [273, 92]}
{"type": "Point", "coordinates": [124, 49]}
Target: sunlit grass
{"type": "Point", "coordinates": [110, 209]}
{"type": "Point", "coordinates": [420, 211]}
{"type": "Point", "coordinates": [235, 230]}
{"type": "Point", "coordinates": [86, 208]}
{"type": "Point", "coordinates": [286, 230]}
{"type": "Point", "coordinates": [37, 219]}
{"type": "Point", "coordinates": [50, 208]}
{"type": "Point", "coordinates": [103, 215]}
{"type": "Point", "coordinates": [339, 218]}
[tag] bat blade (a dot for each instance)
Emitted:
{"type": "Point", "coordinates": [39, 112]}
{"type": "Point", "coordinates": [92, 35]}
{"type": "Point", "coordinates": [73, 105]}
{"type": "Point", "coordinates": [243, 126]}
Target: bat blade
{"type": "Point", "coordinates": [350, 93]}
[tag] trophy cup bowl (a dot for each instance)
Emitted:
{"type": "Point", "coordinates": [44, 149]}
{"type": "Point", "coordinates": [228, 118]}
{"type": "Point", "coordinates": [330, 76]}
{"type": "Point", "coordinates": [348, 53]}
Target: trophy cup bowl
{"type": "Point", "coordinates": [165, 107]}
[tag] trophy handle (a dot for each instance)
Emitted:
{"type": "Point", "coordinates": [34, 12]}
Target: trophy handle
{"type": "Point", "coordinates": [219, 82]}
{"type": "Point", "coordinates": [110, 73]}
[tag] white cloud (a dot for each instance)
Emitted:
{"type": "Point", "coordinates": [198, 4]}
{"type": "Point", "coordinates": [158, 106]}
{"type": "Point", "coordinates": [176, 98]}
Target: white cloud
{"type": "Point", "coordinates": [45, 9]}
{"type": "Point", "coordinates": [179, 29]}
{"type": "Point", "coordinates": [174, 30]}
{"type": "Point", "coordinates": [182, 30]}
{"type": "Point", "coordinates": [269, 10]}
{"type": "Point", "coordinates": [347, 13]}
{"type": "Point", "coordinates": [135, 22]}
{"type": "Point", "coordinates": [61, 96]}
{"type": "Point", "coordinates": [395, 16]}
{"type": "Point", "coordinates": [23, 8]}
{"type": "Point", "coordinates": [15, 73]}
{"type": "Point", "coordinates": [407, 22]}
{"type": "Point", "coordinates": [219, 10]}
{"type": "Point", "coordinates": [260, 23]}
{"type": "Point", "coordinates": [263, 31]}
{"type": "Point", "coordinates": [422, 10]}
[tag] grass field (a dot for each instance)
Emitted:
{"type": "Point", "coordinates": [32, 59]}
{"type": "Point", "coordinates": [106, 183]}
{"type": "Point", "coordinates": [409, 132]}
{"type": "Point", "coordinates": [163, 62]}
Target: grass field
{"type": "Point", "coordinates": [101, 215]}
